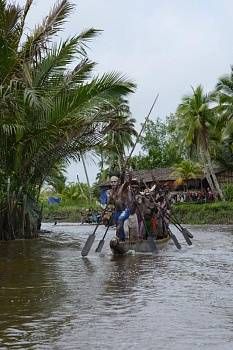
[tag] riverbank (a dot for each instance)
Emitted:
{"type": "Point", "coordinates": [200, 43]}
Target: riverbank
{"type": "Point", "coordinates": [63, 213]}
{"type": "Point", "coordinates": [219, 213]}
{"type": "Point", "coordinates": [188, 213]}
{"type": "Point", "coordinates": [71, 211]}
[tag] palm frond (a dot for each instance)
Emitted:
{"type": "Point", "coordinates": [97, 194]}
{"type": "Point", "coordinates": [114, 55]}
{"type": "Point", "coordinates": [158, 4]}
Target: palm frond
{"type": "Point", "coordinates": [38, 41]}
{"type": "Point", "coordinates": [79, 74]}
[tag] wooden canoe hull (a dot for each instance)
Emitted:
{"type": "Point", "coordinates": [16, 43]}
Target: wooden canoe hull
{"type": "Point", "coordinates": [140, 246]}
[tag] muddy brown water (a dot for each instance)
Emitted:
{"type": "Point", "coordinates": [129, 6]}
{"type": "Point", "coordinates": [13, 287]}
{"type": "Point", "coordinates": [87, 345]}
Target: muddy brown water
{"type": "Point", "coordinates": [52, 298]}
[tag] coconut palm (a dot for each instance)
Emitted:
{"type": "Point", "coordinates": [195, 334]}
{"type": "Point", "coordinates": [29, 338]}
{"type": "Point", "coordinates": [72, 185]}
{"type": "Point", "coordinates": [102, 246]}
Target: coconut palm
{"type": "Point", "coordinates": [119, 135]}
{"type": "Point", "coordinates": [187, 170]}
{"type": "Point", "coordinates": [195, 119]}
{"type": "Point", "coordinates": [49, 113]}
{"type": "Point", "coordinates": [224, 96]}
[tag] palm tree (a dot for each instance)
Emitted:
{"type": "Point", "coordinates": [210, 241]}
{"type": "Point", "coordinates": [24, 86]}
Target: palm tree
{"type": "Point", "coordinates": [224, 96]}
{"type": "Point", "coordinates": [195, 119]}
{"type": "Point", "coordinates": [56, 178]}
{"type": "Point", "coordinates": [118, 135]}
{"type": "Point", "coordinates": [48, 113]}
{"type": "Point", "coordinates": [74, 191]}
{"type": "Point", "coordinates": [187, 170]}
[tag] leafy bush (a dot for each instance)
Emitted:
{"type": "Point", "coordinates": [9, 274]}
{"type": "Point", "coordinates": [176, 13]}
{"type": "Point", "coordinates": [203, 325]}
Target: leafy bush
{"type": "Point", "coordinates": [228, 192]}
{"type": "Point", "coordinates": [208, 213]}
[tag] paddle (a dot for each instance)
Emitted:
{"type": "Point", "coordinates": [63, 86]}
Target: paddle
{"type": "Point", "coordinates": [91, 238]}
{"type": "Point", "coordinates": [141, 131]}
{"type": "Point", "coordinates": [150, 238]}
{"type": "Point", "coordinates": [184, 230]}
{"type": "Point", "coordinates": [173, 237]}
{"type": "Point", "coordinates": [171, 234]}
{"type": "Point", "coordinates": [101, 242]}
{"type": "Point", "coordinates": [89, 242]}
{"type": "Point", "coordinates": [187, 232]}
{"type": "Point", "coordinates": [186, 237]}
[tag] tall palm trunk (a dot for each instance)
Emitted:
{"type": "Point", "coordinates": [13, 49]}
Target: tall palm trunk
{"type": "Point", "coordinates": [209, 172]}
{"type": "Point", "coordinates": [206, 153]}
{"type": "Point", "coordinates": [206, 170]}
{"type": "Point", "coordinates": [87, 178]}
{"type": "Point", "coordinates": [101, 161]}
{"type": "Point", "coordinates": [120, 158]}
{"type": "Point", "coordinates": [215, 180]}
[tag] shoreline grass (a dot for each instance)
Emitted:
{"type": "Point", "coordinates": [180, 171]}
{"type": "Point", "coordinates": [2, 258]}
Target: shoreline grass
{"type": "Point", "coordinates": [219, 213]}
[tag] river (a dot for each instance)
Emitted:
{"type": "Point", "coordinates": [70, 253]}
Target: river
{"type": "Point", "coordinates": [52, 298]}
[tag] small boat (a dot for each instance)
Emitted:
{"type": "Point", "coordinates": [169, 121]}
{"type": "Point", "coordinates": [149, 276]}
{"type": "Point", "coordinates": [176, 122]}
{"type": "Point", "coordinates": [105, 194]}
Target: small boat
{"type": "Point", "coordinates": [139, 246]}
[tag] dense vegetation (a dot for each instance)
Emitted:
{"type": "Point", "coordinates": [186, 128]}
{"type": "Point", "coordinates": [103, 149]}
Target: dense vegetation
{"type": "Point", "coordinates": [200, 131]}
{"type": "Point", "coordinates": [208, 213]}
{"type": "Point", "coordinates": [187, 213]}
{"type": "Point", "coordinates": [53, 110]}
{"type": "Point", "coordinates": [49, 112]}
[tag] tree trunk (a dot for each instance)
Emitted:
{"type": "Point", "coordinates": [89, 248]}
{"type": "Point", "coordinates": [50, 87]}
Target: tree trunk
{"type": "Point", "coordinates": [119, 163]}
{"type": "Point", "coordinates": [16, 221]}
{"type": "Point", "coordinates": [215, 180]}
{"type": "Point", "coordinates": [101, 161]}
{"type": "Point", "coordinates": [206, 170]}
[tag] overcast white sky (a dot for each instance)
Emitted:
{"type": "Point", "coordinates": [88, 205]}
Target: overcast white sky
{"type": "Point", "coordinates": [164, 46]}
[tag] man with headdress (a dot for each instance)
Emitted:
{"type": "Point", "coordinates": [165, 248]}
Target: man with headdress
{"type": "Point", "coordinates": [131, 224]}
{"type": "Point", "coordinates": [125, 209]}
{"type": "Point", "coordinates": [110, 201]}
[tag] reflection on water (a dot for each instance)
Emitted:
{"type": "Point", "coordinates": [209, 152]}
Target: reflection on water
{"type": "Point", "coordinates": [52, 298]}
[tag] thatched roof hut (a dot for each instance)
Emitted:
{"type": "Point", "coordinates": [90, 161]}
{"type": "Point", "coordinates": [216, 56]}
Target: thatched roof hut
{"type": "Point", "coordinates": [166, 177]}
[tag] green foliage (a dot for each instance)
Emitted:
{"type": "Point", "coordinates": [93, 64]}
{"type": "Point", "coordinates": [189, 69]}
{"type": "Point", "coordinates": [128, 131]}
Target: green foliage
{"type": "Point", "coordinates": [118, 136]}
{"type": "Point", "coordinates": [224, 154]}
{"type": "Point", "coordinates": [75, 191]}
{"type": "Point", "coordinates": [160, 145]}
{"type": "Point", "coordinates": [49, 113]}
{"type": "Point", "coordinates": [224, 100]}
{"type": "Point", "coordinates": [187, 213]}
{"type": "Point", "coordinates": [224, 96]}
{"type": "Point", "coordinates": [186, 170]}
{"type": "Point", "coordinates": [70, 213]}
{"type": "Point", "coordinates": [209, 213]}
{"type": "Point", "coordinates": [228, 191]}
{"type": "Point", "coordinates": [57, 179]}
{"type": "Point", "coordinates": [102, 175]}
{"type": "Point", "coordinates": [195, 117]}
{"type": "Point", "coordinates": [74, 202]}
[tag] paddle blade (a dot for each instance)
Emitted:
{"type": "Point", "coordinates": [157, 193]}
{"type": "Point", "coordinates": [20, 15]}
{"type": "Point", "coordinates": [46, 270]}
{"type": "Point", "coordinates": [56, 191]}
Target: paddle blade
{"type": "Point", "coordinates": [100, 246]}
{"type": "Point", "coordinates": [188, 232]}
{"type": "Point", "coordinates": [186, 237]}
{"type": "Point", "coordinates": [175, 240]}
{"type": "Point", "coordinates": [88, 245]}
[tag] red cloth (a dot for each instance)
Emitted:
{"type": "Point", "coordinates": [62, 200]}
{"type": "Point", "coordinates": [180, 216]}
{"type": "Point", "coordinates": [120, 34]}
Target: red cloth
{"type": "Point", "coordinates": [154, 224]}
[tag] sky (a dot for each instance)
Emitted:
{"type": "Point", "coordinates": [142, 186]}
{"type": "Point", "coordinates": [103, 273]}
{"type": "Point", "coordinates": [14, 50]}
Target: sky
{"type": "Point", "coordinates": [165, 47]}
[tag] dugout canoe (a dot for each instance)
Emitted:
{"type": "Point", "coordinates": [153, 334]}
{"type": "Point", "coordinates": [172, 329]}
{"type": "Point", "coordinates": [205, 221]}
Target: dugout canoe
{"type": "Point", "coordinates": [139, 246]}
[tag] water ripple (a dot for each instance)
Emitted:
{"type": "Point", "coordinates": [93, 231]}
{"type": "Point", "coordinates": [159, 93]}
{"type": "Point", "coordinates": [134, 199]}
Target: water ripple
{"type": "Point", "coordinates": [52, 298]}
